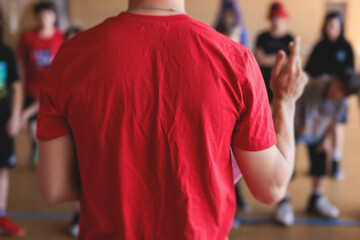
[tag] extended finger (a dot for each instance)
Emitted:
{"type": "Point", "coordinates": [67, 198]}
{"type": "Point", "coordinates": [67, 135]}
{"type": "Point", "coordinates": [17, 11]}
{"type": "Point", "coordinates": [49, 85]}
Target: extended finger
{"type": "Point", "coordinates": [294, 49]}
{"type": "Point", "coordinates": [279, 63]}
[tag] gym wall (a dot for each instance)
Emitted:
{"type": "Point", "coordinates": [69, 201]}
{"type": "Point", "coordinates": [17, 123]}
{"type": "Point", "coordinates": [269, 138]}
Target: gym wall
{"type": "Point", "coordinates": [306, 16]}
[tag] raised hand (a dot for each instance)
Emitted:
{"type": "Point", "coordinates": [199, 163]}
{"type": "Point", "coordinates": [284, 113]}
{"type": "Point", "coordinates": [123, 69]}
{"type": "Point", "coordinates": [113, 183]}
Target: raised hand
{"type": "Point", "coordinates": [288, 80]}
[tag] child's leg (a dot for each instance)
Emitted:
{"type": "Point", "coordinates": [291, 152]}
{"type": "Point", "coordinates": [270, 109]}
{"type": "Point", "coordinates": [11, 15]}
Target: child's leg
{"type": "Point", "coordinates": [318, 204]}
{"type": "Point", "coordinates": [4, 188]}
{"type": "Point", "coordinates": [6, 225]}
{"type": "Point", "coordinates": [337, 151]}
{"type": "Point", "coordinates": [33, 129]}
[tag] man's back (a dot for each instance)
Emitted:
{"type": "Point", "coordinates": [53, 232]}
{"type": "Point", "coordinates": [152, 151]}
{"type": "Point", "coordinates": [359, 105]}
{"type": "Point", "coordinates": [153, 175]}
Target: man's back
{"type": "Point", "coordinates": [152, 116]}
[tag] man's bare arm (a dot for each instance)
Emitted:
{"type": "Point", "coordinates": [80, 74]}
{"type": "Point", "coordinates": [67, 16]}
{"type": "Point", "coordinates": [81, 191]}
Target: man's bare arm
{"type": "Point", "coordinates": [57, 171]}
{"type": "Point", "coordinates": [267, 173]}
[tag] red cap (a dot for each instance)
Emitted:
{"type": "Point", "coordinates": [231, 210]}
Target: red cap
{"type": "Point", "coordinates": [277, 9]}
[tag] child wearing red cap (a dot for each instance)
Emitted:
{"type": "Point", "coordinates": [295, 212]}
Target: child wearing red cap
{"type": "Point", "coordinates": [270, 42]}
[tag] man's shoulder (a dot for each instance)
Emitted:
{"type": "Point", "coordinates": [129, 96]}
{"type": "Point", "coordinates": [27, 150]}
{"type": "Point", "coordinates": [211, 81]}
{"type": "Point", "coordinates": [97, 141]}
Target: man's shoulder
{"type": "Point", "coordinates": [204, 32]}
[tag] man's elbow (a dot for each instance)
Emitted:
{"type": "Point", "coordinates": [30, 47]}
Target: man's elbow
{"type": "Point", "coordinates": [51, 197]}
{"type": "Point", "coordinates": [271, 196]}
{"type": "Point", "coordinates": [49, 193]}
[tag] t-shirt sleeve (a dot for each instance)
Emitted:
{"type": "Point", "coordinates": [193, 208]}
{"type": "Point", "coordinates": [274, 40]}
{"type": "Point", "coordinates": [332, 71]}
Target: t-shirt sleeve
{"type": "Point", "coordinates": [52, 122]}
{"type": "Point", "coordinates": [254, 130]}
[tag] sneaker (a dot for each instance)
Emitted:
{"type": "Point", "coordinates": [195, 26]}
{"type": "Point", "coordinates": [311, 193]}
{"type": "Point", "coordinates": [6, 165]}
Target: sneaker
{"type": "Point", "coordinates": [284, 213]}
{"type": "Point", "coordinates": [74, 228]}
{"type": "Point", "coordinates": [9, 228]}
{"type": "Point", "coordinates": [338, 174]}
{"type": "Point", "coordinates": [319, 205]}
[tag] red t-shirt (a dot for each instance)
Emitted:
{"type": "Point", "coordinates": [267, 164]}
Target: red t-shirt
{"type": "Point", "coordinates": [153, 104]}
{"type": "Point", "coordinates": [37, 54]}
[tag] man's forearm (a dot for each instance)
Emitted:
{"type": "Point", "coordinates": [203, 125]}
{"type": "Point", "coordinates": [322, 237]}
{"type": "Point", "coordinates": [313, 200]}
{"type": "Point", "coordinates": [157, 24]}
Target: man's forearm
{"type": "Point", "coordinates": [283, 114]}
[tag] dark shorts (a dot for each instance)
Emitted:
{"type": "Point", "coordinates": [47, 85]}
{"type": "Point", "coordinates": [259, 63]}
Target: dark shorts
{"type": "Point", "coordinates": [7, 158]}
{"type": "Point", "coordinates": [317, 161]}
{"type": "Point", "coordinates": [28, 102]}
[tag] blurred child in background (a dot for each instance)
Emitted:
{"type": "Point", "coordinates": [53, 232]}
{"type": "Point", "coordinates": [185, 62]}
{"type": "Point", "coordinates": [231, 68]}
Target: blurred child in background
{"type": "Point", "coordinates": [36, 50]}
{"type": "Point", "coordinates": [333, 54]}
{"type": "Point", "coordinates": [230, 13]}
{"type": "Point", "coordinates": [270, 42]}
{"type": "Point", "coordinates": [10, 113]}
{"type": "Point", "coordinates": [322, 106]}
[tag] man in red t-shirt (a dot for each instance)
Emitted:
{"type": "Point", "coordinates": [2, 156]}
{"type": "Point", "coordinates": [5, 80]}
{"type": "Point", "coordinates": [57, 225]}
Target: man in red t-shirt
{"type": "Point", "coordinates": [147, 106]}
{"type": "Point", "coordinates": [36, 50]}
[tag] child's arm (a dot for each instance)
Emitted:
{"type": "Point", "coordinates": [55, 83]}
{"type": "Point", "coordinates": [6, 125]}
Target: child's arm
{"type": "Point", "coordinates": [16, 108]}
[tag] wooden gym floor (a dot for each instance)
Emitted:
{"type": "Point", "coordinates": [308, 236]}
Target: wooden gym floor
{"type": "Point", "coordinates": [43, 223]}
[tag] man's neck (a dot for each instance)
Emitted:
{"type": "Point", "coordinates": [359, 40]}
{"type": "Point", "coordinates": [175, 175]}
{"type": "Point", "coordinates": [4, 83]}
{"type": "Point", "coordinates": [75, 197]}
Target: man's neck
{"type": "Point", "coordinates": [47, 32]}
{"type": "Point", "coordinates": [156, 7]}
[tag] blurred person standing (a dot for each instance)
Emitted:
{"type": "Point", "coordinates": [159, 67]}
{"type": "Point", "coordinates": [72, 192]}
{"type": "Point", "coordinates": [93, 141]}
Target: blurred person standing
{"type": "Point", "coordinates": [270, 42]}
{"type": "Point", "coordinates": [230, 13]}
{"type": "Point", "coordinates": [322, 106]}
{"type": "Point", "coordinates": [37, 48]}
{"type": "Point", "coordinates": [11, 98]}
{"type": "Point", "coordinates": [333, 53]}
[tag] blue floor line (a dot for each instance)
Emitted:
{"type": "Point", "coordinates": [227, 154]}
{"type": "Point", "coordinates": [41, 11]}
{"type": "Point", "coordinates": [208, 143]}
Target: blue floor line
{"type": "Point", "coordinates": [243, 220]}
{"type": "Point", "coordinates": [303, 221]}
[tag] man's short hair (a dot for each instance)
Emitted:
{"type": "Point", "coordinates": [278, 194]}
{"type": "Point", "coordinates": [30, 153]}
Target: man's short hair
{"type": "Point", "coordinates": [44, 6]}
{"type": "Point", "coordinates": [349, 80]}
